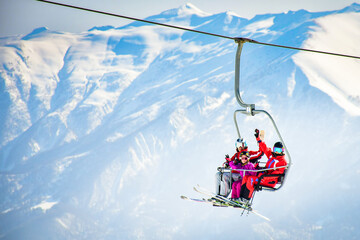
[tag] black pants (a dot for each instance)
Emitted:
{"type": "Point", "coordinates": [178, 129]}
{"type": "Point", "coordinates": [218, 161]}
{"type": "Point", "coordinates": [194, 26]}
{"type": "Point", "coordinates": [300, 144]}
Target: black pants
{"type": "Point", "coordinates": [245, 192]}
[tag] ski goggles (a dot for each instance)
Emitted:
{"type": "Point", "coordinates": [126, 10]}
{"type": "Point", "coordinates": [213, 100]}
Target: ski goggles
{"type": "Point", "coordinates": [278, 150]}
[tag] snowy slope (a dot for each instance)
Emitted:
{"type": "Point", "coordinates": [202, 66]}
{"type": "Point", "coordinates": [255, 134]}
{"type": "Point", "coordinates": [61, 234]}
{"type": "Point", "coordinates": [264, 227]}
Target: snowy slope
{"type": "Point", "coordinates": [102, 131]}
{"type": "Point", "coordinates": [339, 79]}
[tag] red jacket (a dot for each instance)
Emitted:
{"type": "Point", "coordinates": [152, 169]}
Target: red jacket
{"type": "Point", "coordinates": [273, 161]}
{"type": "Point", "coordinates": [254, 155]}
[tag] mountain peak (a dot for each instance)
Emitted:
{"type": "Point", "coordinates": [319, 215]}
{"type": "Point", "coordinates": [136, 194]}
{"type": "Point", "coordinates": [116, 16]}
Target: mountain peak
{"type": "Point", "coordinates": [231, 13]}
{"type": "Point", "coordinates": [352, 8]}
{"type": "Point", "coordinates": [35, 32]}
{"type": "Point", "coordinates": [185, 10]}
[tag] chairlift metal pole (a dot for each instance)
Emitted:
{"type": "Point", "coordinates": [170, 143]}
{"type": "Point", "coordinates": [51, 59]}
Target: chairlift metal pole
{"type": "Point", "coordinates": [248, 107]}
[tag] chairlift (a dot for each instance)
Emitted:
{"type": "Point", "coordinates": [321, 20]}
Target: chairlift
{"type": "Point", "coordinates": [249, 109]}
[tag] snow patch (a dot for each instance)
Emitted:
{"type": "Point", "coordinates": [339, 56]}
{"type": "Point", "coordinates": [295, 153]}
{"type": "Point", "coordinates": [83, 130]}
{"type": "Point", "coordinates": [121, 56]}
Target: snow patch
{"type": "Point", "coordinates": [44, 206]}
{"type": "Point", "coordinates": [263, 102]}
{"type": "Point", "coordinates": [61, 222]}
{"type": "Point", "coordinates": [259, 27]}
{"type": "Point", "coordinates": [231, 14]}
{"type": "Point", "coordinates": [115, 137]}
{"type": "Point", "coordinates": [183, 127]}
{"type": "Point", "coordinates": [186, 10]}
{"type": "Point", "coordinates": [336, 76]}
{"type": "Point", "coordinates": [67, 221]}
{"type": "Point", "coordinates": [291, 82]}
{"type": "Point", "coordinates": [6, 211]}
{"type": "Point", "coordinates": [192, 9]}
{"type": "Point", "coordinates": [62, 164]}
{"type": "Point", "coordinates": [210, 103]}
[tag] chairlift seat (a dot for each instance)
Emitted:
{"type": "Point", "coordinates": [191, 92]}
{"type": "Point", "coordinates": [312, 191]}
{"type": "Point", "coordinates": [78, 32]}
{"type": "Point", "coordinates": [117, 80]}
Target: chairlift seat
{"type": "Point", "coordinates": [278, 185]}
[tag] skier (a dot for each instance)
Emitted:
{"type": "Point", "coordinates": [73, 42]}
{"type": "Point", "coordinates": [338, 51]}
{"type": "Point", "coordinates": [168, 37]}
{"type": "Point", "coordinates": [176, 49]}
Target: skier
{"type": "Point", "coordinates": [276, 158]}
{"type": "Point", "coordinates": [242, 164]}
{"type": "Point", "coordinates": [222, 179]}
{"type": "Point", "coordinates": [254, 155]}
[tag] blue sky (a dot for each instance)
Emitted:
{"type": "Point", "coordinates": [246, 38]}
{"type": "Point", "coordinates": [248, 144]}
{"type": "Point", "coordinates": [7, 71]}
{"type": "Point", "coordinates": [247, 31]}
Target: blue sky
{"type": "Point", "coordinates": [22, 16]}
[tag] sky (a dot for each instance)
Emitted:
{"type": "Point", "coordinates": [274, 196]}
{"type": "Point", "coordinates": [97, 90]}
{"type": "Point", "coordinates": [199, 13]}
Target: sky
{"type": "Point", "coordinates": [22, 16]}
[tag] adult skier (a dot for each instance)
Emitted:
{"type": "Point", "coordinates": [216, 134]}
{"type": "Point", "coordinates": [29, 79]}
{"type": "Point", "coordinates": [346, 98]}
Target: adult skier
{"type": "Point", "coordinates": [276, 159]}
{"type": "Point", "coordinates": [223, 181]}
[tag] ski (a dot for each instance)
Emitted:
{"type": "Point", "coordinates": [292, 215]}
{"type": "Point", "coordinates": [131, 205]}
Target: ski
{"type": "Point", "coordinates": [221, 198]}
{"type": "Point", "coordinates": [203, 200]}
{"type": "Point", "coordinates": [229, 202]}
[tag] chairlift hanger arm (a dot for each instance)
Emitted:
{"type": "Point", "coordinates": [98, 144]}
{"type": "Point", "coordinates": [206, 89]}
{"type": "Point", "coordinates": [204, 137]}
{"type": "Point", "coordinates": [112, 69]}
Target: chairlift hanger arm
{"type": "Point", "coordinates": [249, 107]}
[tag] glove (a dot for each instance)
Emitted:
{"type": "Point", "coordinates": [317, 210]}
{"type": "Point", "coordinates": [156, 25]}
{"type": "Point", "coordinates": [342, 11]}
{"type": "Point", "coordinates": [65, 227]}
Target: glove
{"type": "Point", "coordinates": [257, 132]}
{"type": "Point", "coordinates": [226, 164]}
{"type": "Point", "coordinates": [227, 156]}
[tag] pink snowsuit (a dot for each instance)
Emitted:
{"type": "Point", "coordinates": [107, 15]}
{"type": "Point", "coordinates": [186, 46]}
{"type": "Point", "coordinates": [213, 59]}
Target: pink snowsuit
{"type": "Point", "coordinates": [236, 187]}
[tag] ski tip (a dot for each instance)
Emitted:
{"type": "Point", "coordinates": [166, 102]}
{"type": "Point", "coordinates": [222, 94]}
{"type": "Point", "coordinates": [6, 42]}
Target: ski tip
{"type": "Point", "coordinates": [260, 215]}
{"type": "Point", "coordinates": [183, 197]}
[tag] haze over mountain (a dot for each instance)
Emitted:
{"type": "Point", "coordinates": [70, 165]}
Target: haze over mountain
{"type": "Point", "coordinates": [102, 131]}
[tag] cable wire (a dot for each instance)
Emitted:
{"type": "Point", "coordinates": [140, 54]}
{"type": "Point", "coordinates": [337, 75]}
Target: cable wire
{"type": "Point", "coordinates": [197, 31]}
{"type": "Point", "coordinates": [135, 19]}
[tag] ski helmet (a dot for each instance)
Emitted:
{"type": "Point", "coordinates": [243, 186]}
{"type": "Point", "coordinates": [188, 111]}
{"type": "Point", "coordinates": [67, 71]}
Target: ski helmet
{"type": "Point", "coordinates": [278, 148]}
{"type": "Point", "coordinates": [244, 153]}
{"type": "Point", "coordinates": [240, 143]}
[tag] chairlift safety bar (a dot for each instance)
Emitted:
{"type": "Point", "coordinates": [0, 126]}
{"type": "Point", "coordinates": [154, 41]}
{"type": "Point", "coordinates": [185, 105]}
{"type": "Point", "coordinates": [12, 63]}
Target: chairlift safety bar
{"type": "Point", "coordinates": [224, 169]}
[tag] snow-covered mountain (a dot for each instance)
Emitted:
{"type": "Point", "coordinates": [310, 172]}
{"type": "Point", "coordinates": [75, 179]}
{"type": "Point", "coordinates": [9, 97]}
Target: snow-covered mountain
{"type": "Point", "coordinates": [102, 131]}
